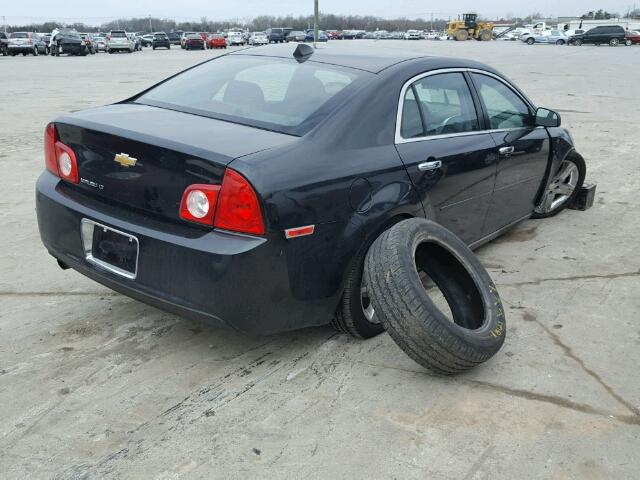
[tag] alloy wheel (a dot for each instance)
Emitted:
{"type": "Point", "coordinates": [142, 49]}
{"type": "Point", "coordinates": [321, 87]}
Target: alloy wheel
{"type": "Point", "coordinates": [367, 306]}
{"type": "Point", "coordinates": [561, 187]}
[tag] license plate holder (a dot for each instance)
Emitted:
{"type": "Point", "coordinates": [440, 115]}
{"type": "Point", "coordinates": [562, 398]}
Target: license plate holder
{"type": "Point", "coordinates": [110, 249]}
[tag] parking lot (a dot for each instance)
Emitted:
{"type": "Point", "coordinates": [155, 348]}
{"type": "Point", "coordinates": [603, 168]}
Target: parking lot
{"type": "Point", "coordinates": [94, 384]}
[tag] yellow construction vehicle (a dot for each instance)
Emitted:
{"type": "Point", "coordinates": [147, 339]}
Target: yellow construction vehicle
{"type": "Point", "coordinates": [469, 27]}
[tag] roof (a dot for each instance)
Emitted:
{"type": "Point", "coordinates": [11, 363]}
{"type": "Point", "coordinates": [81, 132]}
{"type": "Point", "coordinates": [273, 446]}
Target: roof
{"type": "Point", "coordinates": [371, 60]}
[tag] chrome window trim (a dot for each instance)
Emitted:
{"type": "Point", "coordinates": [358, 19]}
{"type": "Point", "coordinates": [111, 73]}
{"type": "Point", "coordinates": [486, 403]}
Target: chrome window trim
{"type": "Point", "coordinates": [400, 140]}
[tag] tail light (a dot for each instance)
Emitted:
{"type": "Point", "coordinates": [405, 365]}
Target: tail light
{"type": "Point", "coordinates": [59, 158]}
{"type": "Point", "coordinates": [231, 206]}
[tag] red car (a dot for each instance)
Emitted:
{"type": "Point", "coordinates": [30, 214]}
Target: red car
{"type": "Point", "coordinates": [632, 38]}
{"type": "Point", "coordinates": [194, 41]}
{"type": "Point", "coordinates": [217, 41]}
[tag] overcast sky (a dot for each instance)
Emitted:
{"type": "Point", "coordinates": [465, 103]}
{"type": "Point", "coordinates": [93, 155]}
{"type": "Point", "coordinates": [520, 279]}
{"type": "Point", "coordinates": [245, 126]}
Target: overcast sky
{"type": "Point", "coordinates": [96, 12]}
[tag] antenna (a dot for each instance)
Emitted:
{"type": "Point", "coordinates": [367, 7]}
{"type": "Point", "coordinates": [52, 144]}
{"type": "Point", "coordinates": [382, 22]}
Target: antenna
{"type": "Point", "coordinates": [302, 52]}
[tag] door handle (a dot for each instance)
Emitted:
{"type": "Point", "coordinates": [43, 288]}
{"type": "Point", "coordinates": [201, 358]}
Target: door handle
{"type": "Point", "coordinates": [429, 166]}
{"type": "Point", "coordinates": [507, 151]}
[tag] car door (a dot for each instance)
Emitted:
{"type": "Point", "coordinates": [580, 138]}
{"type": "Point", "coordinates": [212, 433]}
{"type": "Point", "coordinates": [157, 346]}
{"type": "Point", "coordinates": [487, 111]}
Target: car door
{"type": "Point", "coordinates": [450, 159]}
{"type": "Point", "coordinates": [523, 151]}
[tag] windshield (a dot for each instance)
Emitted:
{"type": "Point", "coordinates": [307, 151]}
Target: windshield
{"type": "Point", "coordinates": [266, 92]}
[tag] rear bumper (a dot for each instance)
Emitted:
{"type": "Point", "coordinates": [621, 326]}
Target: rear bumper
{"type": "Point", "coordinates": [222, 278]}
{"type": "Point", "coordinates": [20, 48]}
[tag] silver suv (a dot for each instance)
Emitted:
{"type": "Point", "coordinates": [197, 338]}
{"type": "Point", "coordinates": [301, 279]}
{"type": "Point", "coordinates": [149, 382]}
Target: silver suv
{"type": "Point", "coordinates": [119, 41]}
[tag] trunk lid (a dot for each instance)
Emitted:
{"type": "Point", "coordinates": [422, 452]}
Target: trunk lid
{"type": "Point", "coordinates": [142, 158]}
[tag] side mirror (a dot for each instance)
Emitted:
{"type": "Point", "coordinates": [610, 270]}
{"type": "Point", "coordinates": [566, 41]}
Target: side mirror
{"type": "Point", "coordinates": [547, 118]}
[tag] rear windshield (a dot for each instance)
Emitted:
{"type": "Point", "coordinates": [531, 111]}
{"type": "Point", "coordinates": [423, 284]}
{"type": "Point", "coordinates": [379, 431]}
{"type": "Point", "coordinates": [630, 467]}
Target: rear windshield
{"type": "Point", "coordinates": [273, 93]}
{"type": "Point", "coordinates": [19, 35]}
{"type": "Point", "coordinates": [118, 35]}
{"type": "Point", "coordinates": [160, 35]}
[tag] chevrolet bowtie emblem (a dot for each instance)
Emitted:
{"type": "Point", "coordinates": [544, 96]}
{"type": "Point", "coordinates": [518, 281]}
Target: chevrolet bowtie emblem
{"type": "Point", "coordinates": [125, 160]}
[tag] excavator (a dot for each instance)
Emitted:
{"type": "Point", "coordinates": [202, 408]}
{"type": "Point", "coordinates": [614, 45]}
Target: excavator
{"type": "Point", "coordinates": [469, 27]}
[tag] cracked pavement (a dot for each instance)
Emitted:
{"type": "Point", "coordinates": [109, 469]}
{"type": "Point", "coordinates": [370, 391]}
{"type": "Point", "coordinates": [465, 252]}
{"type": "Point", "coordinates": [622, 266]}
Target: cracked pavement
{"type": "Point", "coordinates": [95, 385]}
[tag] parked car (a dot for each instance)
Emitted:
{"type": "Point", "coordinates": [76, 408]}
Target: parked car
{"type": "Point", "coordinates": [147, 40]}
{"type": "Point", "coordinates": [334, 34]}
{"type": "Point", "coordinates": [120, 41]}
{"type": "Point", "coordinates": [235, 38]}
{"type": "Point", "coordinates": [228, 218]}
{"type": "Point", "coordinates": [276, 35]}
{"type": "Point", "coordinates": [217, 40]}
{"type": "Point", "coordinates": [296, 36]}
{"type": "Point", "coordinates": [613, 35]}
{"type": "Point", "coordinates": [411, 35]}
{"type": "Point", "coordinates": [100, 43]}
{"type": "Point", "coordinates": [89, 42]}
{"type": "Point", "coordinates": [25, 43]}
{"type": "Point", "coordinates": [160, 40]}
{"type": "Point", "coordinates": [556, 37]}
{"type": "Point", "coordinates": [174, 37]}
{"type": "Point", "coordinates": [322, 36]}
{"type": "Point", "coordinates": [137, 42]}
{"type": "Point", "coordinates": [184, 36]}
{"type": "Point", "coordinates": [68, 42]}
{"type": "Point", "coordinates": [258, 38]}
{"type": "Point", "coordinates": [4, 44]}
{"type": "Point", "coordinates": [194, 42]}
{"type": "Point", "coordinates": [632, 38]}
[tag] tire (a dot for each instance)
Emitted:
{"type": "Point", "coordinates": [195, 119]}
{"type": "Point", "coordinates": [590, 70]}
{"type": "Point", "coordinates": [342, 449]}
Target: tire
{"type": "Point", "coordinates": [407, 311]}
{"type": "Point", "coordinates": [530, 41]}
{"type": "Point", "coordinates": [628, 42]}
{"type": "Point", "coordinates": [553, 201]}
{"type": "Point", "coordinates": [614, 42]}
{"type": "Point", "coordinates": [560, 42]}
{"type": "Point", "coordinates": [351, 317]}
{"type": "Point", "coordinates": [485, 35]}
{"type": "Point", "coordinates": [577, 42]}
{"type": "Point", "coordinates": [462, 35]}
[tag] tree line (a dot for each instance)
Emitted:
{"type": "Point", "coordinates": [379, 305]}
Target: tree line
{"type": "Point", "coordinates": [262, 22]}
{"type": "Point", "coordinates": [259, 23]}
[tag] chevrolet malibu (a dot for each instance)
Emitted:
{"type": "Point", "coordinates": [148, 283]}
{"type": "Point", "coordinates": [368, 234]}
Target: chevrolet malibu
{"type": "Point", "coordinates": [258, 210]}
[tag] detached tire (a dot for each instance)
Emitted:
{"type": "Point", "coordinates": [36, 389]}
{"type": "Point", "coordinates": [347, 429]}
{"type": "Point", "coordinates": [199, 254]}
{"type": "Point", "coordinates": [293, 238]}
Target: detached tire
{"type": "Point", "coordinates": [392, 272]}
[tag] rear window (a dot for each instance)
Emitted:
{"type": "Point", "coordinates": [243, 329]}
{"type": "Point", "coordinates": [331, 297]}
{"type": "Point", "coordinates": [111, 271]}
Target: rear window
{"type": "Point", "coordinates": [160, 36]}
{"type": "Point", "coordinates": [19, 35]}
{"type": "Point", "coordinates": [118, 35]}
{"type": "Point", "coordinates": [266, 92]}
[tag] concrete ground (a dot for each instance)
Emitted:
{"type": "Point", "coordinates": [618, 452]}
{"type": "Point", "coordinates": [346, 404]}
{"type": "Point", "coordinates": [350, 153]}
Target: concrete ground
{"type": "Point", "coordinates": [93, 384]}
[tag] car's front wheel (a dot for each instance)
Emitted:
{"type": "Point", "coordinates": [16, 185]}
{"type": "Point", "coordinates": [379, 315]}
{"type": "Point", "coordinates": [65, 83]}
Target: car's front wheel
{"type": "Point", "coordinates": [577, 42]}
{"type": "Point", "coordinates": [563, 188]}
{"type": "Point", "coordinates": [628, 42]}
{"type": "Point", "coordinates": [560, 42]}
{"type": "Point", "coordinates": [530, 41]}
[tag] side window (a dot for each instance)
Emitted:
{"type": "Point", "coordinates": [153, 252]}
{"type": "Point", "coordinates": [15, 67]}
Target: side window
{"type": "Point", "coordinates": [504, 107]}
{"type": "Point", "coordinates": [411, 126]}
{"type": "Point", "coordinates": [446, 105]}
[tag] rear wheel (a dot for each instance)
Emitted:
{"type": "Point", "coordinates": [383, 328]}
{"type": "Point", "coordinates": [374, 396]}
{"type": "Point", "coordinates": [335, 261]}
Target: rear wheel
{"type": "Point", "coordinates": [530, 41]}
{"type": "Point", "coordinates": [560, 42]}
{"type": "Point", "coordinates": [462, 35]}
{"type": "Point", "coordinates": [563, 188]}
{"type": "Point", "coordinates": [614, 42]}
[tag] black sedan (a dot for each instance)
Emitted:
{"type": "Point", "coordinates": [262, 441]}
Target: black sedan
{"type": "Point", "coordinates": [257, 210]}
{"type": "Point", "coordinates": [160, 40]}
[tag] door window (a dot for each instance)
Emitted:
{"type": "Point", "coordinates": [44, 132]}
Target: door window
{"type": "Point", "coordinates": [438, 105]}
{"type": "Point", "coordinates": [504, 107]}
